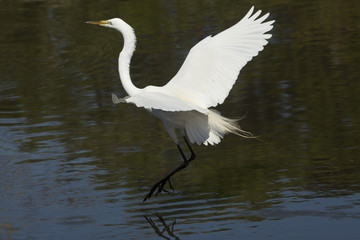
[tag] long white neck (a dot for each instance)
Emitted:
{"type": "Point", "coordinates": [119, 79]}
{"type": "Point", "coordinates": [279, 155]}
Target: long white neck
{"type": "Point", "coordinates": [125, 58]}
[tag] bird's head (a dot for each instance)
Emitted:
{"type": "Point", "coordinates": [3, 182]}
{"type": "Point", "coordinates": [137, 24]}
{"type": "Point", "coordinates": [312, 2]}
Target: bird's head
{"type": "Point", "coordinates": [115, 23]}
{"type": "Point", "coordinates": [111, 23]}
{"type": "Point", "coordinates": [104, 23]}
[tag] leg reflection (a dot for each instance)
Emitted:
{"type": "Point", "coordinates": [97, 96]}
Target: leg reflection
{"type": "Point", "coordinates": [167, 229]}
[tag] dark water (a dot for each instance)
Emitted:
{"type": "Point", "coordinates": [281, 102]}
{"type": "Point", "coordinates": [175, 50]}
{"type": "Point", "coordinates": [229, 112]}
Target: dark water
{"type": "Point", "coordinates": [74, 166]}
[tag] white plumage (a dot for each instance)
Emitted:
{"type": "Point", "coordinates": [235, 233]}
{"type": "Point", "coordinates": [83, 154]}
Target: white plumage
{"type": "Point", "coordinates": [203, 81]}
{"type": "Point", "coordinates": [213, 65]}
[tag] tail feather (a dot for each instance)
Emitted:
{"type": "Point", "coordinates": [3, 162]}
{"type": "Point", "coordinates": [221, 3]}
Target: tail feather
{"type": "Point", "coordinates": [220, 125]}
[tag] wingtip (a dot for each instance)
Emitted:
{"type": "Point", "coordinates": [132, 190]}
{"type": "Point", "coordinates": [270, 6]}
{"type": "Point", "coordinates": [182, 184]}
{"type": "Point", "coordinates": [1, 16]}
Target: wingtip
{"type": "Point", "coordinates": [250, 12]}
{"type": "Point", "coordinates": [117, 100]}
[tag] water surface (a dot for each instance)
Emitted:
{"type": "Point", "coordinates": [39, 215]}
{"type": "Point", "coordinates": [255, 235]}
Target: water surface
{"type": "Point", "coordinates": [75, 166]}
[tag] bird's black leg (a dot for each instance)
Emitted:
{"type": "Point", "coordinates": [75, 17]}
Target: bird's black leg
{"type": "Point", "coordinates": [160, 185]}
{"type": "Point", "coordinates": [193, 155]}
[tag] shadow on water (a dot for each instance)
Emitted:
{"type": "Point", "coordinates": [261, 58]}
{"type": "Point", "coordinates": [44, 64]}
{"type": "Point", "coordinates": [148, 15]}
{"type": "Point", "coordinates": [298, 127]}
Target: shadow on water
{"type": "Point", "coordinates": [73, 165]}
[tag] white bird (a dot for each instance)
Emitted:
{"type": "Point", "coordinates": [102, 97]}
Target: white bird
{"type": "Point", "coordinates": [203, 81]}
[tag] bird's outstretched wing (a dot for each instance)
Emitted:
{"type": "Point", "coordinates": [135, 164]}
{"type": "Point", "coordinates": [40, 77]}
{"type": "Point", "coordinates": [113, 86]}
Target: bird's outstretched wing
{"type": "Point", "coordinates": [213, 65]}
{"type": "Point", "coordinates": [158, 100]}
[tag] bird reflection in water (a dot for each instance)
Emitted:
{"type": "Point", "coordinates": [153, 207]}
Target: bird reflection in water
{"type": "Point", "coordinates": [168, 229]}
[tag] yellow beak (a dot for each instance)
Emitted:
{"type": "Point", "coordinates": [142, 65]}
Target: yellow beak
{"type": "Point", "coordinates": [102, 22]}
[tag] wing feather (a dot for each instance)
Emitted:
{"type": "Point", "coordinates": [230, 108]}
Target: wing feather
{"type": "Point", "coordinates": [213, 65]}
{"type": "Point", "coordinates": [158, 100]}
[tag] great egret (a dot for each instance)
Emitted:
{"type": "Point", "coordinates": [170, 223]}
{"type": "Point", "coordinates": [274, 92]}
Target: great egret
{"type": "Point", "coordinates": [203, 81]}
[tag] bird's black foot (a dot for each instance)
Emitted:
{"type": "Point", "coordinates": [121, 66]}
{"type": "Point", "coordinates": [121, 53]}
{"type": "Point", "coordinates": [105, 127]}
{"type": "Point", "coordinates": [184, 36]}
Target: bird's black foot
{"type": "Point", "coordinates": [160, 185]}
{"type": "Point", "coordinates": [160, 188]}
